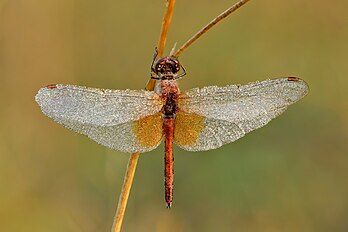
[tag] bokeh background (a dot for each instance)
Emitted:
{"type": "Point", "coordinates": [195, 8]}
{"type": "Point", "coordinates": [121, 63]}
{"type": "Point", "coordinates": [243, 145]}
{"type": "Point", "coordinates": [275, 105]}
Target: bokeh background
{"type": "Point", "coordinates": [291, 175]}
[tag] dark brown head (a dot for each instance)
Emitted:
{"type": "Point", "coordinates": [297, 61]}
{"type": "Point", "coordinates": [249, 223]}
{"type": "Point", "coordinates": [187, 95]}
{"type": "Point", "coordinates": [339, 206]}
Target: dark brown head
{"type": "Point", "coordinates": [167, 65]}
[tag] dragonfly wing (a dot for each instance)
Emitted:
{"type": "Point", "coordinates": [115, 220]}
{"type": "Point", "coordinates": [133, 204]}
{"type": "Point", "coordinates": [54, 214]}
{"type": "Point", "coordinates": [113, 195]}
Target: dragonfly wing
{"type": "Point", "coordinates": [142, 135]}
{"type": "Point", "coordinates": [124, 120]}
{"type": "Point", "coordinates": [241, 108]}
{"type": "Point", "coordinates": [193, 132]}
{"type": "Point", "coordinates": [100, 107]}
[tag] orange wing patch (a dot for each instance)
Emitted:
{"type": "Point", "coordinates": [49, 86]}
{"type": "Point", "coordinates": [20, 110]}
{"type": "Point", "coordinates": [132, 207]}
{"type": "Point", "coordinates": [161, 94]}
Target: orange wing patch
{"type": "Point", "coordinates": [148, 130]}
{"type": "Point", "coordinates": [187, 128]}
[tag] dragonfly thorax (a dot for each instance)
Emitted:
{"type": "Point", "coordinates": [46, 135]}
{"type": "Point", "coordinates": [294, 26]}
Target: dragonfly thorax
{"type": "Point", "coordinates": [167, 67]}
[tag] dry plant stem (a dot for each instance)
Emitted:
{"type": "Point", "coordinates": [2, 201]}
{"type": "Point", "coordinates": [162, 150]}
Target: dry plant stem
{"type": "Point", "coordinates": [127, 184]}
{"type": "Point", "coordinates": [167, 18]}
{"type": "Point", "coordinates": [210, 25]}
{"type": "Point", "coordinates": [133, 160]}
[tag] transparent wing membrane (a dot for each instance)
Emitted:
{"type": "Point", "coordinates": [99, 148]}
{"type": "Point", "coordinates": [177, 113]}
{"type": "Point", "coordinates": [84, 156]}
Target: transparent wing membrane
{"type": "Point", "coordinates": [123, 120]}
{"type": "Point", "coordinates": [207, 118]}
{"type": "Point", "coordinates": [196, 133]}
{"type": "Point", "coordinates": [232, 111]}
{"type": "Point", "coordinates": [122, 137]}
{"type": "Point", "coordinates": [99, 107]}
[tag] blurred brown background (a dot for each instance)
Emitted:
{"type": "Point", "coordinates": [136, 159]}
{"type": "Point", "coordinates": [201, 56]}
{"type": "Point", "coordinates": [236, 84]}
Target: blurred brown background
{"type": "Point", "coordinates": [289, 176]}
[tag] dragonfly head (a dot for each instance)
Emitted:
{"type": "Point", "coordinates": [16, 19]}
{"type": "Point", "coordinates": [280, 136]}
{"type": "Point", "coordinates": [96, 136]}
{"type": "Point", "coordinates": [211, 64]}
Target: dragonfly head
{"type": "Point", "coordinates": [167, 67]}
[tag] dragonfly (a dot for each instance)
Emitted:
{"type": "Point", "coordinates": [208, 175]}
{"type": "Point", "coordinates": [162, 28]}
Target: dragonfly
{"type": "Point", "coordinates": [199, 119]}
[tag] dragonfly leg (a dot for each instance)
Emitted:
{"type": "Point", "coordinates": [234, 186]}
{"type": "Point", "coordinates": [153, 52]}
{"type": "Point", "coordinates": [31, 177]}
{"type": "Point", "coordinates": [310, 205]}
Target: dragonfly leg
{"type": "Point", "coordinates": [153, 61]}
{"type": "Point", "coordinates": [153, 71]}
{"type": "Point", "coordinates": [181, 74]}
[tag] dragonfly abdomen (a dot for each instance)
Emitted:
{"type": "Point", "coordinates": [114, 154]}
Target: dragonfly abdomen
{"type": "Point", "coordinates": [169, 91]}
{"type": "Point", "coordinates": [168, 129]}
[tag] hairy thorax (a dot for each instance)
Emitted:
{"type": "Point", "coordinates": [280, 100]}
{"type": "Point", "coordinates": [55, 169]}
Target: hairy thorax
{"type": "Point", "coordinates": [169, 91]}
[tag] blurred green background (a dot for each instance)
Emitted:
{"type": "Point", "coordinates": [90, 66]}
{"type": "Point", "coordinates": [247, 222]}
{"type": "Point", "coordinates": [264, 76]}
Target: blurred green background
{"type": "Point", "coordinates": [291, 175]}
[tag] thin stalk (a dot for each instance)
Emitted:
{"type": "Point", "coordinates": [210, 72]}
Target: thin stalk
{"type": "Point", "coordinates": [167, 18]}
{"type": "Point", "coordinates": [133, 160]}
{"type": "Point", "coordinates": [210, 25]}
{"type": "Point", "coordinates": [127, 184]}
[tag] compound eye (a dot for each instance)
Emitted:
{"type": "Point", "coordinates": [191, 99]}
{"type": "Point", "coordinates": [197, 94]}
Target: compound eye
{"type": "Point", "coordinates": [159, 67]}
{"type": "Point", "coordinates": [176, 68]}
{"type": "Point", "coordinates": [173, 68]}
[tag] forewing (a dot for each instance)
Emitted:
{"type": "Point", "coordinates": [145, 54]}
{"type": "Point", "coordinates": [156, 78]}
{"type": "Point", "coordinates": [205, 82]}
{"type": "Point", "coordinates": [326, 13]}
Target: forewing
{"type": "Point", "coordinates": [193, 132]}
{"type": "Point", "coordinates": [70, 105]}
{"type": "Point", "coordinates": [123, 120]}
{"type": "Point", "coordinates": [246, 107]}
